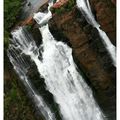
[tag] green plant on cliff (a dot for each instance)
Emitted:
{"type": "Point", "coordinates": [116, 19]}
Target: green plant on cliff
{"type": "Point", "coordinates": [64, 8]}
{"type": "Point", "coordinates": [11, 11]}
{"type": "Point", "coordinates": [29, 27]}
{"type": "Point", "coordinates": [70, 4]}
{"type": "Point", "coordinates": [54, 1]}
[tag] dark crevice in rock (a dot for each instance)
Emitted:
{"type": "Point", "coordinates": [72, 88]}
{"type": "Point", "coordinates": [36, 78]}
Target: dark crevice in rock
{"type": "Point", "coordinates": [40, 86]}
{"type": "Point", "coordinates": [58, 35]}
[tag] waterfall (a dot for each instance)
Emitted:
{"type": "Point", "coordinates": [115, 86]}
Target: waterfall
{"type": "Point", "coordinates": [21, 66]}
{"type": "Point", "coordinates": [85, 9]}
{"type": "Point", "coordinates": [57, 67]}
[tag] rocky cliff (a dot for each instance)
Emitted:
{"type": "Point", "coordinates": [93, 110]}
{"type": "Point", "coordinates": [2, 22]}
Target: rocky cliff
{"type": "Point", "coordinates": [105, 11]}
{"type": "Point", "coordinates": [88, 50]}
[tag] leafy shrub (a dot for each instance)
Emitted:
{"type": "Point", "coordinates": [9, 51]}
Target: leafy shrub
{"type": "Point", "coordinates": [11, 10]}
{"type": "Point", "coordinates": [64, 8]}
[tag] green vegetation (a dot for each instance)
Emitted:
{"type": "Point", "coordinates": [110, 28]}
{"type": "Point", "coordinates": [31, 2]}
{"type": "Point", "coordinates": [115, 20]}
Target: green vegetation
{"type": "Point", "coordinates": [29, 27]}
{"type": "Point", "coordinates": [65, 8]}
{"type": "Point", "coordinates": [6, 39]}
{"type": "Point", "coordinates": [11, 11]}
{"type": "Point", "coordinates": [54, 1]}
{"type": "Point", "coordinates": [16, 104]}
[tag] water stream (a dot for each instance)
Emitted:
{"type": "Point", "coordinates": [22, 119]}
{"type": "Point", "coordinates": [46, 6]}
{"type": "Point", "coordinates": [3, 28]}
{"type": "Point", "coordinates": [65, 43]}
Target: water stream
{"type": "Point", "coordinates": [85, 9]}
{"type": "Point", "coordinates": [21, 66]}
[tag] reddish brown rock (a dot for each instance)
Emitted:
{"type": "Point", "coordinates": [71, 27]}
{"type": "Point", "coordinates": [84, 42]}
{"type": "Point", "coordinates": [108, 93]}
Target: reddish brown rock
{"type": "Point", "coordinates": [60, 3]}
{"type": "Point", "coordinates": [28, 21]}
{"type": "Point", "coordinates": [106, 16]}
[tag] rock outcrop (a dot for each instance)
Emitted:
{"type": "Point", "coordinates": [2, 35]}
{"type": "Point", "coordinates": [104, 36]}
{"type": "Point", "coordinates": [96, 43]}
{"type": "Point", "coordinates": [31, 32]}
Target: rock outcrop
{"type": "Point", "coordinates": [60, 3]}
{"type": "Point", "coordinates": [90, 55]}
{"type": "Point", "coordinates": [105, 12]}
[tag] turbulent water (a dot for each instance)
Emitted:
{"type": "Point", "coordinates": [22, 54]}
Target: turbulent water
{"type": "Point", "coordinates": [55, 64]}
{"type": "Point", "coordinates": [21, 66]}
{"type": "Point", "coordinates": [85, 8]}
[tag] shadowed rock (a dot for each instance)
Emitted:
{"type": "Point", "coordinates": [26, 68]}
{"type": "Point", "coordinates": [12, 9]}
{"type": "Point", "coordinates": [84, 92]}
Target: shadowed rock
{"type": "Point", "coordinates": [105, 12]}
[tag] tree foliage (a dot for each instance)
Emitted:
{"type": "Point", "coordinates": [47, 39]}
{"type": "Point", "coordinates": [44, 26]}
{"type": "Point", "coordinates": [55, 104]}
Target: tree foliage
{"type": "Point", "coordinates": [11, 11]}
{"type": "Point", "coordinates": [65, 8]}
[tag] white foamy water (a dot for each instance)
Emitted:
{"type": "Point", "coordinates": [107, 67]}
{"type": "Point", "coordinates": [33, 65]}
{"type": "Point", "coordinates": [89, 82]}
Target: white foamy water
{"type": "Point", "coordinates": [85, 8]}
{"type": "Point", "coordinates": [21, 66]}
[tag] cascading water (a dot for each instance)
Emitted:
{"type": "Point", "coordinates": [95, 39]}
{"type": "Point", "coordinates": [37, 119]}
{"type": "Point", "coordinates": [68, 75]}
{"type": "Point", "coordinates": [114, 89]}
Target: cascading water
{"type": "Point", "coordinates": [57, 67]}
{"type": "Point", "coordinates": [85, 8]}
{"type": "Point", "coordinates": [62, 79]}
{"type": "Point", "coordinates": [17, 59]}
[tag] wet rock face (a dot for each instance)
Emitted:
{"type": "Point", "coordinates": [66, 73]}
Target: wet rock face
{"type": "Point", "coordinates": [90, 55]}
{"type": "Point", "coordinates": [106, 16]}
{"type": "Point", "coordinates": [39, 85]}
{"type": "Point", "coordinates": [36, 35]}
